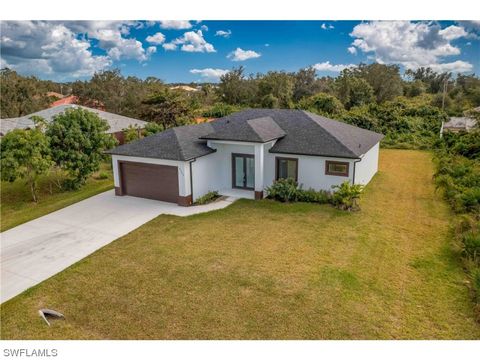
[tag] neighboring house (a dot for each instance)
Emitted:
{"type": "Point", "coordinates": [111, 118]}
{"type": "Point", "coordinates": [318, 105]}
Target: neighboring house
{"type": "Point", "coordinates": [116, 122]}
{"type": "Point", "coordinates": [457, 124]}
{"type": "Point", "coordinates": [184, 88]}
{"type": "Point", "coordinates": [242, 154]}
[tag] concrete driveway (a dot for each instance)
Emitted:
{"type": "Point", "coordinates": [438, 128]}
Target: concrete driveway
{"type": "Point", "coordinates": [34, 251]}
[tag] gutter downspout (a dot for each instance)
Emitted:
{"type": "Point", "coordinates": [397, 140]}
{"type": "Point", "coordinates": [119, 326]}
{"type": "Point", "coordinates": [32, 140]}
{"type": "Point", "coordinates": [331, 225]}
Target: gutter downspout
{"type": "Point", "coordinates": [191, 178]}
{"type": "Point", "coordinates": [354, 167]}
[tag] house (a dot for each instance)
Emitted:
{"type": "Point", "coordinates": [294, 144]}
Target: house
{"type": "Point", "coordinates": [242, 154]}
{"type": "Point", "coordinates": [184, 88]}
{"type": "Point", "coordinates": [116, 122]}
{"type": "Point", "coordinates": [457, 124]}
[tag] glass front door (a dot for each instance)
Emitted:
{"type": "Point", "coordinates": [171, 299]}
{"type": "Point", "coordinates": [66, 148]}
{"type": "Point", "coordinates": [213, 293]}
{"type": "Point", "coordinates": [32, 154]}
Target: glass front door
{"type": "Point", "coordinates": [243, 171]}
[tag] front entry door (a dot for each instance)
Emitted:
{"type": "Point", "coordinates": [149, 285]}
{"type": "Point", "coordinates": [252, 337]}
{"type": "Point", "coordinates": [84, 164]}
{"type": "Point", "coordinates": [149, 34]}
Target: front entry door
{"type": "Point", "coordinates": [243, 171]}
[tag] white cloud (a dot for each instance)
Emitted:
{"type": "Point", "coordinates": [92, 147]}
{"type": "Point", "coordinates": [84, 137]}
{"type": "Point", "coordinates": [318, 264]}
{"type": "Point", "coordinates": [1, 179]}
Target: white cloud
{"type": "Point", "coordinates": [327, 27]}
{"type": "Point", "coordinates": [209, 73]}
{"type": "Point", "coordinates": [453, 32]}
{"type": "Point", "coordinates": [326, 66]}
{"type": "Point", "coordinates": [175, 24]}
{"type": "Point", "coordinates": [156, 39]}
{"type": "Point", "coordinates": [411, 44]}
{"type": "Point", "coordinates": [204, 28]}
{"type": "Point", "coordinates": [352, 50]}
{"type": "Point", "coordinates": [191, 41]}
{"type": "Point", "coordinates": [48, 48]}
{"type": "Point", "coordinates": [169, 46]}
{"type": "Point", "coordinates": [242, 55]}
{"type": "Point", "coordinates": [224, 33]}
{"type": "Point", "coordinates": [458, 66]}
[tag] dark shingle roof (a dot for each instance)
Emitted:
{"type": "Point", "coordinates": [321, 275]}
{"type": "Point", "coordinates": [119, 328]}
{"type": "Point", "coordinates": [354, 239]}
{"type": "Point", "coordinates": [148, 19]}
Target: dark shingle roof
{"type": "Point", "coordinates": [261, 129]}
{"type": "Point", "coordinates": [296, 131]}
{"type": "Point", "coordinates": [181, 143]}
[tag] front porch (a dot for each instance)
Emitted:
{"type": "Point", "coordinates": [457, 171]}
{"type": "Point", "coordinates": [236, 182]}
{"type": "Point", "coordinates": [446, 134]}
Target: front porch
{"type": "Point", "coordinates": [238, 193]}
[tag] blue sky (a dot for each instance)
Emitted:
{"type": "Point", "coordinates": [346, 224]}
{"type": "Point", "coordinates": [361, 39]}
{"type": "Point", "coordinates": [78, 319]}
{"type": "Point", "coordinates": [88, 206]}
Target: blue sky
{"type": "Point", "coordinates": [184, 51]}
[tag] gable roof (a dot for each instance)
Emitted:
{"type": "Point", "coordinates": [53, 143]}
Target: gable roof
{"type": "Point", "coordinates": [181, 143]}
{"type": "Point", "coordinates": [295, 131]}
{"type": "Point", "coordinates": [115, 121]}
{"type": "Point", "coordinates": [262, 129]}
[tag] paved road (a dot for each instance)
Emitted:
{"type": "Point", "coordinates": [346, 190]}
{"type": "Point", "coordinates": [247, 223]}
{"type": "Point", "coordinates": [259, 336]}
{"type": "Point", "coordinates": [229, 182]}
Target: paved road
{"type": "Point", "coordinates": [34, 251]}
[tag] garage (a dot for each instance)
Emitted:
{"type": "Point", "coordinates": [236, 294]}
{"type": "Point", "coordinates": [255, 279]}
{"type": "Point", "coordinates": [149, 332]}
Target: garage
{"type": "Point", "coordinates": [151, 181]}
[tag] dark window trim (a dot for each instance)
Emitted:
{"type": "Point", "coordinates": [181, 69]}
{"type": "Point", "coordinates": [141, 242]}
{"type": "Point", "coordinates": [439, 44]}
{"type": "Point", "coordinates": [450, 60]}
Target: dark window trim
{"type": "Point", "coordinates": [327, 165]}
{"type": "Point", "coordinates": [244, 156]}
{"type": "Point", "coordinates": [278, 158]}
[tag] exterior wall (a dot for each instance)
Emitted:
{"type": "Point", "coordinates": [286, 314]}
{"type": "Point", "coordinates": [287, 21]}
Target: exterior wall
{"type": "Point", "coordinates": [224, 159]}
{"type": "Point", "coordinates": [311, 171]}
{"type": "Point", "coordinates": [183, 170]}
{"type": "Point", "coordinates": [367, 167]}
{"type": "Point", "coordinates": [206, 172]}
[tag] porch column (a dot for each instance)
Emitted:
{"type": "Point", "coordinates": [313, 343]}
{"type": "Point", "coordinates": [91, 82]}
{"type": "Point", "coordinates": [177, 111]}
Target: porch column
{"type": "Point", "coordinates": [259, 165]}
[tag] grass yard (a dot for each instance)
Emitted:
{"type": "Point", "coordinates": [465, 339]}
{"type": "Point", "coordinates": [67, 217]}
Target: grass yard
{"type": "Point", "coordinates": [17, 206]}
{"type": "Point", "coordinates": [265, 270]}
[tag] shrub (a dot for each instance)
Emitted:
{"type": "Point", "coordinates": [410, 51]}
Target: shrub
{"type": "Point", "coordinates": [102, 176]}
{"type": "Point", "coordinates": [207, 198]}
{"type": "Point", "coordinates": [311, 195]}
{"type": "Point", "coordinates": [346, 195]}
{"type": "Point", "coordinates": [283, 190]}
{"type": "Point", "coordinates": [288, 190]}
{"type": "Point", "coordinates": [471, 246]}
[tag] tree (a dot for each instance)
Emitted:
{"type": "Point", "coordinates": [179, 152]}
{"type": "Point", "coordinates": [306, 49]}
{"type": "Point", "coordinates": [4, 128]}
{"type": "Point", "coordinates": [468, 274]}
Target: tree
{"type": "Point", "coordinates": [167, 107]}
{"type": "Point", "coordinates": [324, 104]}
{"type": "Point", "coordinates": [433, 81]}
{"type": "Point", "coordinates": [305, 83]}
{"type": "Point", "coordinates": [25, 155]}
{"type": "Point", "coordinates": [21, 95]}
{"type": "Point", "coordinates": [279, 85]}
{"type": "Point", "coordinates": [352, 90]}
{"type": "Point", "coordinates": [235, 89]}
{"type": "Point", "coordinates": [384, 79]}
{"type": "Point", "coordinates": [78, 141]}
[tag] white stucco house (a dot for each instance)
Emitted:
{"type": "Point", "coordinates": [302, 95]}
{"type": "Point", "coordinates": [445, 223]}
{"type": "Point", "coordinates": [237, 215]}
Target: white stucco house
{"type": "Point", "coordinates": [242, 154]}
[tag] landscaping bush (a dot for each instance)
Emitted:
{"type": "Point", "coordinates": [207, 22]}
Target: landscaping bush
{"type": "Point", "coordinates": [207, 198]}
{"type": "Point", "coordinates": [346, 195]}
{"type": "Point", "coordinates": [471, 246]}
{"type": "Point", "coordinates": [102, 176]}
{"type": "Point", "coordinates": [311, 195]}
{"type": "Point", "coordinates": [283, 190]}
{"type": "Point", "coordinates": [288, 190]}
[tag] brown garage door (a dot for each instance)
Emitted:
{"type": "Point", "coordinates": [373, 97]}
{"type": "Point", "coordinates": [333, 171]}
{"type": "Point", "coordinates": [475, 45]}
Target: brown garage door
{"type": "Point", "coordinates": [158, 182]}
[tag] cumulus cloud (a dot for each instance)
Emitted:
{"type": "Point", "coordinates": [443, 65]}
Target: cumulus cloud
{"type": "Point", "coordinates": [224, 33]}
{"type": "Point", "coordinates": [191, 41]}
{"type": "Point", "coordinates": [175, 24]}
{"type": "Point", "coordinates": [456, 66]}
{"type": "Point", "coordinates": [209, 73]}
{"type": "Point", "coordinates": [242, 55]}
{"type": "Point", "coordinates": [411, 44]}
{"type": "Point", "coordinates": [352, 50]}
{"type": "Point", "coordinates": [327, 27]}
{"type": "Point", "coordinates": [51, 48]}
{"type": "Point", "coordinates": [156, 39]}
{"type": "Point", "coordinates": [326, 66]}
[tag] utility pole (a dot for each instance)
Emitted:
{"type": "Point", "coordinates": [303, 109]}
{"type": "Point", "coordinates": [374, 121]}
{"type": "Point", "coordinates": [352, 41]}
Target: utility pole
{"type": "Point", "coordinates": [444, 93]}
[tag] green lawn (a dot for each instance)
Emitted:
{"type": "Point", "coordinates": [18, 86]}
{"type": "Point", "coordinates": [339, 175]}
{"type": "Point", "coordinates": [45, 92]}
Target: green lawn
{"type": "Point", "coordinates": [265, 270]}
{"type": "Point", "coordinates": [17, 206]}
